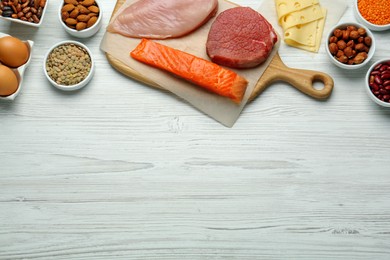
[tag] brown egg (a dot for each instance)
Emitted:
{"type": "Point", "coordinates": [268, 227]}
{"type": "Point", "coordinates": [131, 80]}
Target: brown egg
{"type": "Point", "coordinates": [13, 52]}
{"type": "Point", "coordinates": [9, 81]}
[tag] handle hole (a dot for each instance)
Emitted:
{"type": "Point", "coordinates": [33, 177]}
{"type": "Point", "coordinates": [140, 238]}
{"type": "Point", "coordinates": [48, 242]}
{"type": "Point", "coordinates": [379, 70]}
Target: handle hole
{"type": "Point", "coordinates": [318, 84]}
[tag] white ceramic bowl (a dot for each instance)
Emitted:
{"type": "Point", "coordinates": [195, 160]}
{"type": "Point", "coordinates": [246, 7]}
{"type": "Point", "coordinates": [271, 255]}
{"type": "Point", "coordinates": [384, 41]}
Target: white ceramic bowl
{"type": "Point", "coordinates": [18, 71]}
{"type": "Point", "coordinates": [85, 33]}
{"type": "Point", "coordinates": [361, 19]}
{"type": "Point", "coordinates": [16, 20]}
{"type": "Point", "coordinates": [76, 86]}
{"type": "Point", "coordinates": [347, 66]}
{"type": "Point", "coordinates": [367, 83]}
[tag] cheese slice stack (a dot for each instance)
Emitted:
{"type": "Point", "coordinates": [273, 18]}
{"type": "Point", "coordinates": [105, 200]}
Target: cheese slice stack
{"type": "Point", "coordinates": [302, 22]}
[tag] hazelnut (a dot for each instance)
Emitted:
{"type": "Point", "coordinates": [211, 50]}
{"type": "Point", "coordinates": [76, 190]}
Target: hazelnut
{"type": "Point", "coordinates": [338, 33]}
{"type": "Point", "coordinates": [343, 59]}
{"type": "Point", "coordinates": [348, 52]}
{"type": "Point", "coordinates": [354, 35]}
{"type": "Point", "coordinates": [360, 39]}
{"type": "Point", "coordinates": [346, 35]}
{"type": "Point", "coordinates": [367, 41]}
{"type": "Point", "coordinates": [333, 39]}
{"type": "Point", "coordinates": [362, 31]}
{"type": "Point", "coordinates": [351, 28]}
{"type": "Point", "coordinates": [333, 48]}
{"type": "Point", "coordinates": [359, 47]}
{"type": "Point", "coordinates": [351, 44]}
{"type": "Point", "coordinates": [341, 44]}
{"type": "Point", "coordinates": [360, 57]}
{"type": "Point", "coordinates": [339, 53]}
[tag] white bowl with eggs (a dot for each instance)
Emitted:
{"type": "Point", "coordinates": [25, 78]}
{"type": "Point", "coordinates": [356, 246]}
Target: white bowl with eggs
{"type": "Point", "coordinates": [82, 63]}
{"type": "Point", "coordinates": [370, 25]}
{"type": "Point", "coordinates": [8, 60]}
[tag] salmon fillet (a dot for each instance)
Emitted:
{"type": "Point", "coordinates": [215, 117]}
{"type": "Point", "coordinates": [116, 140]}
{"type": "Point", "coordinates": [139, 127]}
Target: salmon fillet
{"type": "Point", "coordinates": [201, 72]}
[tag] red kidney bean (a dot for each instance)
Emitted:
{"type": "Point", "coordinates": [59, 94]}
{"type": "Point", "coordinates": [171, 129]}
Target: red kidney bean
{"type": "Point", "coordinates": [377, 67]}
{"type": "Point", "coordinates": [374, 87]}
{"type": "Point", "coordinates": [385, 76]}
{"type": "Point", "coordinates": [372, 78]}
{"type": "Point", "coordinates": [379, 81]}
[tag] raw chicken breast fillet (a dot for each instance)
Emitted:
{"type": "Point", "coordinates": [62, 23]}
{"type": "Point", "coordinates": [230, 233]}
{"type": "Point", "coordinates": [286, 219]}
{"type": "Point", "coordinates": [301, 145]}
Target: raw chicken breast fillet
{"type": "Point", "coordinates": [160, 19]}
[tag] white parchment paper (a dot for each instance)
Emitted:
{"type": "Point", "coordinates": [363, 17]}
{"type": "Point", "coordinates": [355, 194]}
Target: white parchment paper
{"type": "Point", "coordinates": [219, 108]}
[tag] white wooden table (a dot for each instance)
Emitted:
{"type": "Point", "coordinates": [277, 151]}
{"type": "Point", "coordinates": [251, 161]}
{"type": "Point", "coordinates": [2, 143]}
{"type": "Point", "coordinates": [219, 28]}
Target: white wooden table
{"type": "Point", "coordinates": [120, 170]}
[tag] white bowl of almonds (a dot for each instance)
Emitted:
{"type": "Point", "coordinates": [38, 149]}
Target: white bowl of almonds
{"type": "Point", "coordinates": [80, 18]}
{"type": "Point", "coordinates": [69, 65]}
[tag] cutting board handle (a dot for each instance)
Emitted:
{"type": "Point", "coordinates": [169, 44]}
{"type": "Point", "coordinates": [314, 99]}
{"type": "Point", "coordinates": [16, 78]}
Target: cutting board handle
{"type": "Point", "coordinates": [300, 79]}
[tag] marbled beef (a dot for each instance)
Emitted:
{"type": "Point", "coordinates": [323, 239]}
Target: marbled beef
{"type": "Point", "coordinates": [240, 37]}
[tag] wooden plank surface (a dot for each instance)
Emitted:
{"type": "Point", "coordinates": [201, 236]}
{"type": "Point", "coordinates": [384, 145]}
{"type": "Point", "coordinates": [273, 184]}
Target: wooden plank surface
{"type": "Point", "coordinates": [121, 171]}
{"type": "Point", "coordinates": [276, 71]}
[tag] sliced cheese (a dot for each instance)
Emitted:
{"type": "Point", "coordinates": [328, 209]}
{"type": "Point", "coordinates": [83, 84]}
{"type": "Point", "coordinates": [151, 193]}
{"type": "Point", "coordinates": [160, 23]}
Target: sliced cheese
{"type": "Point", "coordinates": [307, 37]}
{"type": "Point", "coordinates": [304, 16]}
{"type": "Point", "coordinates": [302, 34]}
{"type": "Point", "coordinates": [284, 7]}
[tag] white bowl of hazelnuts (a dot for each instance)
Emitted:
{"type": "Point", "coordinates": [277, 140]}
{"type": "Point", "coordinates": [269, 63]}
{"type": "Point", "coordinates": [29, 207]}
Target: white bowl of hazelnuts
{"type": "Point", "coordinates": [350, 45]}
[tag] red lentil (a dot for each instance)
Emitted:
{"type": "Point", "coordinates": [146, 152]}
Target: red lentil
{"type": "Point", "coordinates": [375, 11]}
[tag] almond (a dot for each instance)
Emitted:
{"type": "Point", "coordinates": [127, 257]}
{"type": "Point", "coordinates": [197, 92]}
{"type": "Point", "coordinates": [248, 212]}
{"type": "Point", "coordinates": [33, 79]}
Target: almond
{"type": "Point", "coordinates": [82, 18]}
{"type": "Point", "coordinates": [71, 21]}
{"type": "Point", "coordinates": [88, 2]}
{"type": "Point", "coordinates": [91, 21]}
{"type": "Point", "coordinates": [42, 3]}
{"type": "Point", "coordinates": [83, 9]}
{"type": "Point", "coordinates": [93, 9]}
{"type": "Point", "coordinates": [64, 15]}
{"type": "Point", "coordinates": [67, 8]}
{"type": "Point", "coordinates": [73, 2]}
{"type": "Point", "coordinates": [81, 26]}
{"type": "Point", "coordinates": [74, 13]}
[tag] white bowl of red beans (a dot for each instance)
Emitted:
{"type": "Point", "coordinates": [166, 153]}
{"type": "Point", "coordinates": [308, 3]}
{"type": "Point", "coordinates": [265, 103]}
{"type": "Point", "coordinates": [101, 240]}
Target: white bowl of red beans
{"type": "Point", "coordinates": [373, 14]}
{"type": "Point", "coordinates": [377, 82]}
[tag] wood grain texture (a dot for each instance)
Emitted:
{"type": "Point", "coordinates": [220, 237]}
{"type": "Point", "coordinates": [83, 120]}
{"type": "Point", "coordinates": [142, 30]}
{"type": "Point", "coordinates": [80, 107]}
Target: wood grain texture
{"type": "Point", "coordinates": [276, 71]}
{"type": "Point", "coordinates": [118, 170]}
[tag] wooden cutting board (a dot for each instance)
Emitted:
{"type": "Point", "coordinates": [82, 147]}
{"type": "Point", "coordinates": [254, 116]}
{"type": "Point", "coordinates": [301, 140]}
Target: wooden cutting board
{"type": "Point", "coordinates": [302, 80]}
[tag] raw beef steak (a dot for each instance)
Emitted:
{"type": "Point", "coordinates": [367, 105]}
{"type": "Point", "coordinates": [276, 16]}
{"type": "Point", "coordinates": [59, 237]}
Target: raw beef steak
{"type": "Point", "coordinates": [240, 37]}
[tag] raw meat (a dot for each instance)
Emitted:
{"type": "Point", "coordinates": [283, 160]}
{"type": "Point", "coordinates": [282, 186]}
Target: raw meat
{"type": "Point", "coordinates": [199, 71]}
{"type": "Point", "coordinates": [240, 37]}
{"type": "Point", "coordinates": [160, 19]}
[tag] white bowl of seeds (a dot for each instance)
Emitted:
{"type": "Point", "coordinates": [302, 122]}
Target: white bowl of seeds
{"type": "Point", "coordinates": [69, 65]}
